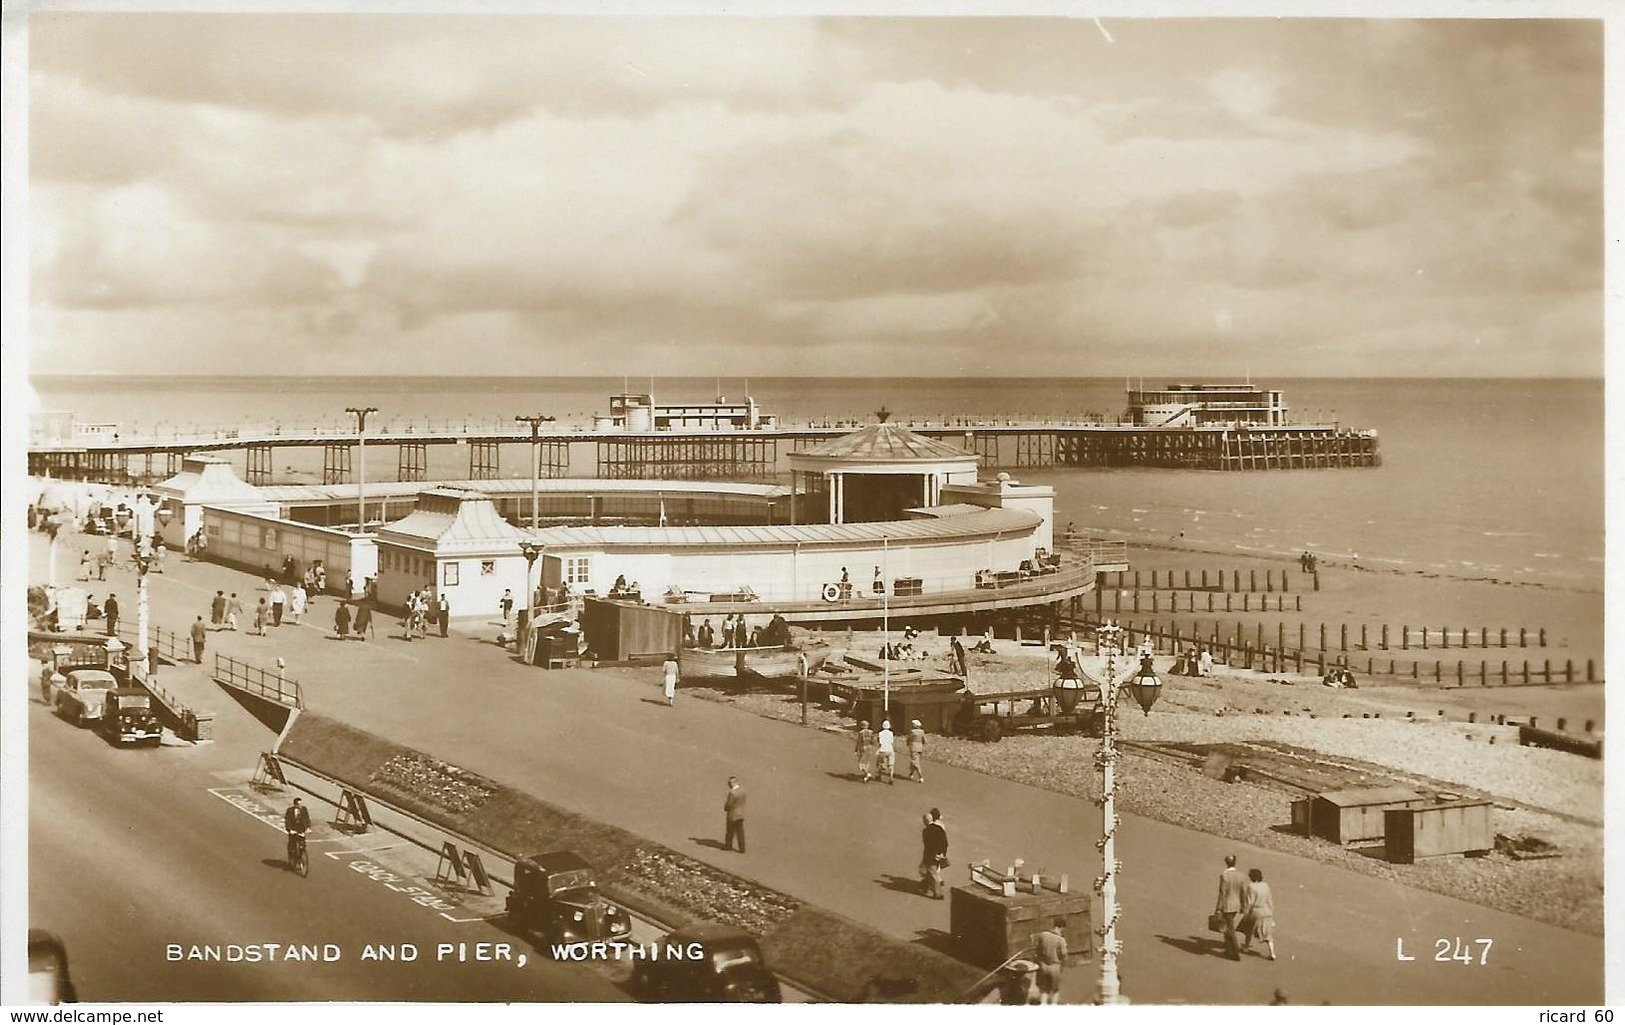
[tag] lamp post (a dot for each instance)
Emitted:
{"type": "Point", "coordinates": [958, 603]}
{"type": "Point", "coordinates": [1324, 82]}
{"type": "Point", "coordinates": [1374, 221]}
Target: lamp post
{"type": "Point", "coordinates": [536, 420]}
{"type": "Point", "coordinates": [1145, 688]}
{"type": "Point", "coordinates": [531, 551]}
{"type": "Point", "coordinates": [885, 623]}
{"type": "Point", "coordinates": [143, 607]}
{"type": "Point", "coordinates": [360, 413]}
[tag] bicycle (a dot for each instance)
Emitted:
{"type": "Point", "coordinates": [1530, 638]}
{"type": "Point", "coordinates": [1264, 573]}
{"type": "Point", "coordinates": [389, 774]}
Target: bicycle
{"type": "Point", "coordinates": [298, 858]}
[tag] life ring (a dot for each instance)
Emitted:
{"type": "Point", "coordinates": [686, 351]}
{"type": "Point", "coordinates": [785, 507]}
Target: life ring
{"type": "Point", "coordinates": [832, 592]}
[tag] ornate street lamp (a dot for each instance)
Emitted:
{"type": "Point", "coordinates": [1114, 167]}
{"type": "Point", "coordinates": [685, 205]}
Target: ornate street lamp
{"type": "Point", "coordinates": [1146, 688]}
{"type": "Point", "coordinates": [143, 619]}
{"type": "Point", "coordinates": [531, 551]}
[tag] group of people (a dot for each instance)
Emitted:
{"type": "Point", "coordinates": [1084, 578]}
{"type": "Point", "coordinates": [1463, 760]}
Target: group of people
{"type": "Point", "coordinates": [1245, 909]}
{"type": "Point", "coordinates": [357, 625]}
{"type": "Point", "coordinates": [1308, 562]}
{"type": "Point", "coordinates": [1194, 662]}
{"type": "Point", "coordinates": [877, 752]}
{"type": "Point", "coordinates": [420, 608]}
{"type": "Point", "coordinates": [737, 632]}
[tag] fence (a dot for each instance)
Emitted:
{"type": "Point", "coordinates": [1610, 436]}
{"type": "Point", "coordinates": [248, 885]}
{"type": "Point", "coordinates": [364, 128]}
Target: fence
{"type": "Point", "coordinates": [268, 684]}
{"type": "Point", "coordinates": [1238, 650]}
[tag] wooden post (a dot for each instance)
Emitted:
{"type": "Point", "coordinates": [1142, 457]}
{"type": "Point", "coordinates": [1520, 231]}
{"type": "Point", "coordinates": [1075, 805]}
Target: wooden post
{"type": "Point", "coordinates": [1136, 601]}
{"type": "Point", "coordinates": [1301, 644]}
{"type": "Point", "coordinates": [1424, 638]}
{"type": "Point", "coordinates": [1190, 599]}
{"type": "Point", "coordinates": [1297, 601]}
{"type": "Point", "coordinates": [1210, 601]}
{"type": "Point", "coordinates": [1343, 637]}
{"type": "Point", "coordinates": [1546, 671]}
{"type": "Point", "coordinates": [1323, 637]}
{"type": "Point", "coordinates": [1543, 637]}
{"type": "Point", "coordinates": [1235, 580]}
{"type": "Point", "coordinates": [1284, 587]}
{"type": "Point", "coordinates": [1568, 672]}
{"type": "Point", "coordinates": [1483, 673]}
{"type": "Point", "coordinates": [1154, 600]}
{"type": "Point", "coordinates": [1320, 664]}
{"type": "Point", "coordinates": [1280, 636]}
{"type": "Point", "coordinates": [1246, 603]}
{"type": "Point", "coordinates": [1416, 670]}
{"type": "Point", "coordinates": [1523, 637]}
{"type": "Point", "coordinates": [1363, 645]}
{"type": "Point", "coordinates": [1461, 677]}
{"type": "Point", "coordinates": [1269, 581]}
{"type": "Point", "coordinates": [1590, 672]}
{"type": "Point", "coordinates": [1562, 723]}
{"type": "Point", "coordinates": [1438, 671]}
{"type": "Point", "coordinates": [1503, 637]}
{"type": "Point", "coordinates": [1227, 601]}
{"type": "Point", "coordinates": [1187, 580]}
{"type": "Point", "coordinates": [1317, 579]}
{"type": "Point", "coordinates": [1526, 672]}
{"type": "Point", "coordinates": [1261, 636]}
{"type": "Point", "coordinates": [1117, 600]}
{"type": "Point", "coordinates": [1136, 580]}
{"type": "Point", "coordinates": [1297, 661]}
{"type": "Point", "coordinates": [1503, 672]}
{"type": "Point", "coordinates": [1483, 637]}
{"type": "Point", "coordinates": [1252, 580]}
{"type": "Point", "coordinates": [1405, 638]}
{"type": "Point", "coordinates": [1385, 637]}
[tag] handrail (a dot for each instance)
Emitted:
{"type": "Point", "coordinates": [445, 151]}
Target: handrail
{"type": "Point", "coordinates": [230, 672]}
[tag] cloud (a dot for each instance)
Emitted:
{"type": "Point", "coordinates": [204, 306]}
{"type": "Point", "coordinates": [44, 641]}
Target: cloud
{"type": "Point", "coordinates": [796, 195]}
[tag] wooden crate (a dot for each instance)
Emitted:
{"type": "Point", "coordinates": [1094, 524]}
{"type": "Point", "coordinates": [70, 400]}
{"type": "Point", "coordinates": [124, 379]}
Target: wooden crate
{"type": "Point", "coordinates": [988, 929]}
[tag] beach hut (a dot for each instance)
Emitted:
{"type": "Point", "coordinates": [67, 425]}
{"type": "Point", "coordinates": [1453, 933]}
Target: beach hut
{"type": "Point", "coordinates": [1451, 827]}
{"type": "Point", "coordinates": [1348, 816]}
{"type": "Point", "coordinates": [456, 544]}
{"type": "Point", "coordinates": [204, 480]}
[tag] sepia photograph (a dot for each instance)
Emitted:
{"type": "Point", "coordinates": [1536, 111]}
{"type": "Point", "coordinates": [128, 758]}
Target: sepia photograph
{"type": "Point", "coordinates": [912, 506]}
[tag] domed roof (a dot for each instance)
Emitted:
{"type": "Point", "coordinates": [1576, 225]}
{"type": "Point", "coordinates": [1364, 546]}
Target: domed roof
{"type": "Point", "coordinates": [887, 443]}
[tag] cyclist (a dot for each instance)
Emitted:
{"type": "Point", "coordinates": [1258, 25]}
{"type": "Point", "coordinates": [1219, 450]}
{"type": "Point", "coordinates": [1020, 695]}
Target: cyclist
{"type": "Point", "coordinates": [297, 822]}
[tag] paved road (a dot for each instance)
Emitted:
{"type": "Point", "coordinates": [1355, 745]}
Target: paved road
{"type": "Point", "coordinates": [133, 850]}
{"type": "Point", "coordinates": [598, 742]}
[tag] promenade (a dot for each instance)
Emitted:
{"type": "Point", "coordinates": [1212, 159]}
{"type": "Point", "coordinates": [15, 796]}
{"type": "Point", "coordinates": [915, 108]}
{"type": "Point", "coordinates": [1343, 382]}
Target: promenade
{"type": "Point", "coordinates": [601, 743]}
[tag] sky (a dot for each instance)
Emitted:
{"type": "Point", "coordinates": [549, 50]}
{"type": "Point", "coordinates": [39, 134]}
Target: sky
{"type": "Point", "coordinates": [847, 196]}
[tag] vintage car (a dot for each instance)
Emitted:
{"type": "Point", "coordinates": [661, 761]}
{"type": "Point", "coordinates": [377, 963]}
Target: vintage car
{"type": "Point", "coordinates": [729, 970]}
{"type": "Point", "coordinates": [128, 717]}
{"type": "Point", "coordinates": [82, 695]}
{"type": "Point", "coordinates": [555, 896]}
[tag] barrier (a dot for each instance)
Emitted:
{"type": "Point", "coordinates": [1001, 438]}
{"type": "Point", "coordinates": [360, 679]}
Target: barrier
{"type": "Point", "coordinates": [268, 773]}
{"type": "Point", "coordinates": [353, 817]}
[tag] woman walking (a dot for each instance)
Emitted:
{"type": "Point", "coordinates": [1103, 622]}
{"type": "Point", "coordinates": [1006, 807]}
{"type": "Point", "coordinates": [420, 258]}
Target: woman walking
{"type": "Point", "coordinates": [1258, 912]}
{"type": "Point", "coordinates": [298, 608]}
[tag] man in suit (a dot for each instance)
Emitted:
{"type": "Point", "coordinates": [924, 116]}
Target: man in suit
{"type": "Point", "coordinates": [1231, 886]}
{"type": "Point", "coordinates": [734, 808]}
{"type": "Point", "coordinates": [933, 854]}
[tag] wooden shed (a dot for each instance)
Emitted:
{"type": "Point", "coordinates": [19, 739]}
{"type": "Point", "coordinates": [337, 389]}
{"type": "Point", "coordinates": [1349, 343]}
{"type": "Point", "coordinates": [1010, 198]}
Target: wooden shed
{"type": "Point", "coordinates": [989, 928]}
{"type": "Point", "coordinates": [1453, 827]}
{"type": "Point", "coordinates": [1347, 816]}
{"type": "Point", "coordinates": [618, 631]}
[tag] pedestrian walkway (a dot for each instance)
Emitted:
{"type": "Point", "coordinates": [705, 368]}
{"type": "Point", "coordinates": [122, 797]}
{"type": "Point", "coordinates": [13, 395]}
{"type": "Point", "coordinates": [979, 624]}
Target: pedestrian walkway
{"type": "Point", "coordinates": [603, 743]}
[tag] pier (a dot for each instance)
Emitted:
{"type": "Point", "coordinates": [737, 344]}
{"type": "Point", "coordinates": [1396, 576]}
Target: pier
{"type": "Point", "coordinates": [686, 453]}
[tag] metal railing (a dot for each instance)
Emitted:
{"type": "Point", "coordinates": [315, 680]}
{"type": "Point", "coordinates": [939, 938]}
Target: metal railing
{"type": "Point", "coordinates": [271, 685]}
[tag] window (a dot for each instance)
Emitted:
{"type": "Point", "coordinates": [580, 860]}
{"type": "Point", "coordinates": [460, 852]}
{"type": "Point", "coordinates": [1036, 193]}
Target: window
{"type": "Point", "coordinates": [488, 567]}
{"type": "Point", "coordinates": [448, 574]}
{"type": "Point", "coordinates": [577, 569]}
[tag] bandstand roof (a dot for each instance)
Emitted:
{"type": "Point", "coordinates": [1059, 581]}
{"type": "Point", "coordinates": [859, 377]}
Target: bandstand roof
{"type": "Point", "coordinates": [885, 443]}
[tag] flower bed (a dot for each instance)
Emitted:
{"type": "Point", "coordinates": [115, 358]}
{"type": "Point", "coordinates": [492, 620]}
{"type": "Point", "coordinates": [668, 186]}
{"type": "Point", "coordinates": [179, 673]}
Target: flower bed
{"type": "Point", "coordinates": [443, 785]}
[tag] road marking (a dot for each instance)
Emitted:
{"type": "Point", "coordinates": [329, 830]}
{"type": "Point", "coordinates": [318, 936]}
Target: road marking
{"type": "Point", "coordinates": [480, 918]}
{"type": "Point", "coordinates": [249, 806]}
{"type": "Point", "coordinates": [361, 850]}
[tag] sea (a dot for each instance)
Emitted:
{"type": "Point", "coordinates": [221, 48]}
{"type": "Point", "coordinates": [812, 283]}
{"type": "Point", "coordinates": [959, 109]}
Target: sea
{"type": "Point", "coordinates": [1491, 479]}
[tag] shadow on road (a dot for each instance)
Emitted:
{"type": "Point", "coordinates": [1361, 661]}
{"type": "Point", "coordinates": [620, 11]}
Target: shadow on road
{"type": "Point", "coordinates": [280, 864]}
{"type": "Point", "coordinates": [706, 841]}
{"type": "Point", "coordinates": [901, 884]}
{"type": "Point", "coordinates": [654, 701]}
{"type": "Point", "coordinates": [1199, 945]}
{"type": "Point", "coordinates": [850, 777]}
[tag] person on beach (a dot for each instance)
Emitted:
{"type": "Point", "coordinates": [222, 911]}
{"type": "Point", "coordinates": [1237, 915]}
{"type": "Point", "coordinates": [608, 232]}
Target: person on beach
{"type": "Point", "coordinates": [1204, 663]}
{"type": "Point", "coordinates": [1258, 912]}
{"type": "Point", "coordinates": [669, 670]}
{"type": "Point", "coordinates": [444, 609]}
{"type": "Point", "coordinates": [217, 610]}
{"type": "Point", "coordinates": [506, 604]}
{"type": "Point", "coordinates": [916, 751]}
{"type": "Point", "coordinates": [886, 753]}
{"type": "Point", "coordinates": [278, 601]}
{"type": "Point", "coordinates": [234, 608]}
{"type": "Point", "coordinates": [341, 620]}
{"type": "Point", "coordinates": [262, 615]}
{"type": "Point", "coordinates": [298, 606]}
{"type": "Point", "coordinates": [733, 809]}
{"type": "Point", "coordinates": [200, 637]}
{"type": "Point", "coordinates": [1228, 905]}
{"type": "Point", "coordinates": [866, 750]}
{"type": "Point", "coordinates": [707, 637]}
{"type": "Point", "coordinates": [85, 563]}
{"type": "Point", "coordinates": [933, 854]}
{"type": "Point", "coordinates": [1051, 954]}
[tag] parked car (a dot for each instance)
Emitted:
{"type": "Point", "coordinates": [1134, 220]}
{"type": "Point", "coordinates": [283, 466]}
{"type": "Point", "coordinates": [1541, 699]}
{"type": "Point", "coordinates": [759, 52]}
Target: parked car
{"type": "Point", "coordinates": [555, 896]}
{"type": "Point", "coordinates": [128, 717]}
{"type": "Point", "coordinates": [48, 979]}
{"type": "Point", "coordinates": [82, 695]}
{"type": "Point", "coordinates": [730, 969]}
